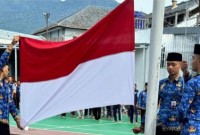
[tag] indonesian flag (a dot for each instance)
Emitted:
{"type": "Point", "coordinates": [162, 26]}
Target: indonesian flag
{"type": "Point", "coordinates": [93, 70]}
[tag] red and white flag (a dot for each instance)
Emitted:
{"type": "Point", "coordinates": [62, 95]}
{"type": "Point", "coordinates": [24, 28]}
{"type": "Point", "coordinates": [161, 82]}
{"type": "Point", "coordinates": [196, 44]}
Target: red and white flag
{"type": "Point", "coordinates": [93, 70]}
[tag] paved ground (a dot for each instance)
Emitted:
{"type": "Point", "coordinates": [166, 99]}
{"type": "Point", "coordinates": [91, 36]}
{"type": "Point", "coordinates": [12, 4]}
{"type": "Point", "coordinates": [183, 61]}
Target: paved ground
{"type": "Point", "coordinates": [72, 126]}
{"type": "Point", "coordinates": [31, 131]}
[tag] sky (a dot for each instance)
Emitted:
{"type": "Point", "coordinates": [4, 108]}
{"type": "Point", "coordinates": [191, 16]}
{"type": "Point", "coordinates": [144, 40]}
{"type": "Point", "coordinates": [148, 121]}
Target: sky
{"type": "Point", "coordinates": [147, 5]}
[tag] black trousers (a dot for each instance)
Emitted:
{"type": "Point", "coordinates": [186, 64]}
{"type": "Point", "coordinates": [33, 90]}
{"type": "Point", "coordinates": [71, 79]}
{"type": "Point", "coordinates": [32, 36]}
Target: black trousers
{"type": "Point", "coordinates": [159, 131]}
{"type": "Point", "coordinates": [109, 111]}
{"type": "Point", "coordinates": [86, 112]}
{"type": "Point", "coordinates": [97, 113]}
{"type": "Point", "coordinates": [142, 116]}
{"type": "Point", "coordinates": [15, 99]}
{"type": "Point", "coordinates": [18, 100]}
{"type": "Point", "coordinates": [115, 109]}
{"type": "Point", "coordinates": [131, 112]}
{"type": "Point", "coordinates": [90, 111]}
{"type": "Point", "coordinates": [73, 113]}
{"type": "Point", "coordinates": [4, 129]}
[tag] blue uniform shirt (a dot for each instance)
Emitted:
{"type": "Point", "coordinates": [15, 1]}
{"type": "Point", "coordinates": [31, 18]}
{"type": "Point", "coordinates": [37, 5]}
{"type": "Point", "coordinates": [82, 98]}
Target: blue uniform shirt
{"type": "Point", "coordinates": [189, 107]}
{"type": "Point", "coordinates": [142, 99]}
{"type": "Point", "coordinates": [6, 103]}
{"type": "Point", "coordinates": [142, 103]}
{"type": "Point", "coordinates": [13, 87]}
{"type": "Point", "coordinates": [169, 91]}
{"type": "Point", "coordinates": [138, 94]}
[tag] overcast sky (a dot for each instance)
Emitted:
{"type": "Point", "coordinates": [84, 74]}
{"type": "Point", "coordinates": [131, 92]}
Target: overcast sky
{"type": "Point", "coordinates": [147, 5]}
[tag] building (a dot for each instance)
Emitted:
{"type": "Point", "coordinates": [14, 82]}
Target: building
{"type": "Point", "coordinates": [78, 23]}
{"type": "Point", "coordinates": [74, 25]}
{"type": "Point", "coordinates": [184, 14]}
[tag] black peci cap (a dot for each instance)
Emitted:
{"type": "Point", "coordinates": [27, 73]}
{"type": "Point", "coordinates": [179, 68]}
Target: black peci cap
{"type": "Point", "coordinates": [174, 57]}
{"type": "Point", "coordinates": [197, 49]}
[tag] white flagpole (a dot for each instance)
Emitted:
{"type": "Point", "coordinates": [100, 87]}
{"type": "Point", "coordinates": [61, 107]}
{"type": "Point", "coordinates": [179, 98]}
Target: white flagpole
{"type": "Point", "coordinates": [154, 66]}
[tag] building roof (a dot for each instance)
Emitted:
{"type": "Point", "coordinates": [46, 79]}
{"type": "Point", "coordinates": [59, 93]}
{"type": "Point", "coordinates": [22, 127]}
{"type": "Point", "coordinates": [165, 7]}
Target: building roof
{"type": "Point", "coordinates": [83, 19]}
{"type": "Point", "coordinates": [7, 36]}
{"type": "Point", "coordinates": [180, 7]}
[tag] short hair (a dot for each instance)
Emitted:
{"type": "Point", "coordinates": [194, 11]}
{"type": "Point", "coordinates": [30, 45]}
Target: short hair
{"type": "Point", "coordinates": [135, 84]}
{"type": "Point", "coordinates": [146, 84]}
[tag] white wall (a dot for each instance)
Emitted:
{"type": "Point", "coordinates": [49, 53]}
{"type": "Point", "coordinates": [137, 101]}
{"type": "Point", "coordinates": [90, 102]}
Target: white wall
{"type": "Point", "coordinates": [64, 33]}
{"type": "Point", "coordinates": [54, 34]}
{"type": "Point", "coordinates": [139, 73]}
{"type": "Point", "coordinates": [147, 64]}
{"type": "Point", "coordinates": [69, 33]}
{"type": "Point", "coordinates": [141, 67]}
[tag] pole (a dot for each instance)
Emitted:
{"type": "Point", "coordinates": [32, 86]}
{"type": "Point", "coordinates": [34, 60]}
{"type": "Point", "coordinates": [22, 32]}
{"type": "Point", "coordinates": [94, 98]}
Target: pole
{"type": "Point", "coordinates": [199, 7]}
{"type": "Point", "coordinates": [144, 65]}
{"type": "Point", "coordinates": [47, 27]}
{"type": "Point", "coordinates": [154, 66]}
{"type": "Point", "coordinates": [198, 17]}
{"type": "Point", "coordinates": [47, 15]}
{"type": "Point", "coordinates": [16, 64]}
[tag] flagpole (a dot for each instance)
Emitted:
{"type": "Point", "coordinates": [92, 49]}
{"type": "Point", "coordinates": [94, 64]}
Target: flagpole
{"type": "Point", "coordinates": [154, 66]}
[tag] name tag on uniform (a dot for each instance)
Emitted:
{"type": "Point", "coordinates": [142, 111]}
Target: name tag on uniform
{"type": "Point", "coordinates": [173, 104]}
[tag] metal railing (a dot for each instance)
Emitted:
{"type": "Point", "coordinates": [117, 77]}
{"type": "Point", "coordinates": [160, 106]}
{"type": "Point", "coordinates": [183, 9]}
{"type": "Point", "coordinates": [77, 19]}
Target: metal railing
{"type": "Point", "coordinates": [141, 23]}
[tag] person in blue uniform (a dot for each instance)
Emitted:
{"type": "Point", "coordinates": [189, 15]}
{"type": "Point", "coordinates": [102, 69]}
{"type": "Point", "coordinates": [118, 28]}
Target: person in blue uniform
{"type": "Point", "coordinates": [142, 106]}
{"type": "Point", "coordinates": [170, 94]}
{"type": "Point", "coordinates": [189, 107]}
{"type": "Point", "coordinates": [6, 103]}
